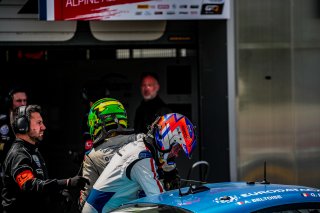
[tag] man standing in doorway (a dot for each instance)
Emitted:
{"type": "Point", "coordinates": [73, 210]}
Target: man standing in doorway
{"type": "Point", "coordinates": [151, 106]}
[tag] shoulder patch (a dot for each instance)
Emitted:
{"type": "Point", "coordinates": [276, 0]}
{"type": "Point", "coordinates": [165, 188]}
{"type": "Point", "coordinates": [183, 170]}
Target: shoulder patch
{"type": "Point", "coordinates": [145, 154]}
{"type": "Point", "coordinates": [23, 177]}
{"type": "Point", "coordinates": [142, 155]}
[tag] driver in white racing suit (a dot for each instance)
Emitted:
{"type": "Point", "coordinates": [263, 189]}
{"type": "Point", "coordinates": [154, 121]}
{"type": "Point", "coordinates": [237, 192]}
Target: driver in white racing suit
{"type": "Point", "coordinates": [134, 166]}
{"type": "Point", "coordinates": [107, 122]}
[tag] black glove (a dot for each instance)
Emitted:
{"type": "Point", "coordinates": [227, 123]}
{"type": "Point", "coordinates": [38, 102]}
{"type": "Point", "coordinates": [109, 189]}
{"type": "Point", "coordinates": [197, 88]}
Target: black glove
{"type": "Point", "coordinates": [171, 180]}
{"type": "Point", "coordinates": [78, 182]}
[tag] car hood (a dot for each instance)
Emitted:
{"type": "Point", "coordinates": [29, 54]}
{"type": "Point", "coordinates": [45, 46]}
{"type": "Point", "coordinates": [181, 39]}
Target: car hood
{"type": "Point", "coordinates": [235, 196]}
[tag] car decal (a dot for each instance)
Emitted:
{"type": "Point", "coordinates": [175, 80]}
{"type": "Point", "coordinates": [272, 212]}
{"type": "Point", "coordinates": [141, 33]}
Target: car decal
{"type": "Point", "coordinates": [310, 194]}
{"type": "Point", "coordinates": [273, 191]}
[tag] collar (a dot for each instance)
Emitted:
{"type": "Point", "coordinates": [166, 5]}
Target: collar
{"type": "Point", "coordinates": [26, 144]}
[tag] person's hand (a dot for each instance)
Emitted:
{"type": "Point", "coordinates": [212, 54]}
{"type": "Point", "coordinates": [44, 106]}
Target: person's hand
{"type": "Point", "coordinates": [171, 180]}
{"type": "Point", "coordinates": [78, 182]}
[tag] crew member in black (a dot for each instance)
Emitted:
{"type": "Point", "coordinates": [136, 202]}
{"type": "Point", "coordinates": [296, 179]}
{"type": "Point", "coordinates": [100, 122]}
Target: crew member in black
{"type": "Point", "coordinates": [27, 187]}
{"type": "Point", "coordinates": [151, 106]}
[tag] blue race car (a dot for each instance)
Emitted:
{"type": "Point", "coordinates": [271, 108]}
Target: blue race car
{"type": "Point", "coordinates": [257, 197]}
{"type": "Point", "coordinates": [230, 197]}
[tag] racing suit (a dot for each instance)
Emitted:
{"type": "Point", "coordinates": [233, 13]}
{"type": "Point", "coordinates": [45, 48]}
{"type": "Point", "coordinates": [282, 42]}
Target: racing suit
{"type": "Point", "coordinates": [26, 185]}
{"type": "Point", "coordinates": [98, 158]}
{"type": "Point", "coordinates": [130, 170]}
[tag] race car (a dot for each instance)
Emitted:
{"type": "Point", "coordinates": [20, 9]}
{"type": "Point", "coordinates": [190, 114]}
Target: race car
{"type": "Point", "coordinates": [257, 197]}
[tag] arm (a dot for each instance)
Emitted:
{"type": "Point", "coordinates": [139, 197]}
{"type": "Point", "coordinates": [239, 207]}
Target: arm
{"type": "Point", "coordinates": [27, 179]}
{"type": "Point", "coordinates": [144, 172]}
{"type": "Point", "coordinates": [89, 171]}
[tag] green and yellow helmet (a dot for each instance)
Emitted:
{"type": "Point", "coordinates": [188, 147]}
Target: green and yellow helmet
{"type": "Point", "coordinates": [106, 113]}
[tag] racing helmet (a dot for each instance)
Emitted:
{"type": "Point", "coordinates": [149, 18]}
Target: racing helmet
{"type": "Point", "coordinates": [107, 113]}
{"type": "Point", "coordinates": [173, 132]}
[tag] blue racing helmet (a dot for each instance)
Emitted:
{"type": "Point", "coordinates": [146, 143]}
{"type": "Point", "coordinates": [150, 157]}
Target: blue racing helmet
{"type": "Point", "coordinates": [172, 132]}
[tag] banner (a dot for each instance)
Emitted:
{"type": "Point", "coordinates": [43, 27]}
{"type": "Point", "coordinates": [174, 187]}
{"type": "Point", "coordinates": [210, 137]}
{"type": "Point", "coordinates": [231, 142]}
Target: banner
{"type": "Point", "coordinates": [56, 10]}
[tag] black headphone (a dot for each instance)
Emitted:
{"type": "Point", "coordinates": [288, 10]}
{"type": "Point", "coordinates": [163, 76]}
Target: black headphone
{"type": "Point", "coordinates": [21, 120]}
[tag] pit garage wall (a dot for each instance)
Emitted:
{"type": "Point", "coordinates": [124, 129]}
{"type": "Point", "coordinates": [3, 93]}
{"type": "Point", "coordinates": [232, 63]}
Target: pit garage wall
{"type": "Point", "coordinates": [213, 98]}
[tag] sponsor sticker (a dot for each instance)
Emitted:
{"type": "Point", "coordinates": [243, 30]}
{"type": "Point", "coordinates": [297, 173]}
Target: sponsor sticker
{"type": "Point", "coordinates": [226, 199]}
{"type": "Point", "coordinates": [143, 6]}
{"type": "Point", "coordinates": [210, 9]}
{"type": "Point", "coordinates": [39, 172]}
{"type": "Point", "coordinates": [36, 159]}
{"type": "Point", "coordinates": [310, 194]}
{"type": "Point", "coordinates": [144, 154]}
{"type": "Point", "coordinates": [4, 129]}
{"type": "Point", "coordinates": [163, 6]}
{"type": "Point", "coordinates": [183, 6]}
{"type": "Point", "coordinates": [88, 144]}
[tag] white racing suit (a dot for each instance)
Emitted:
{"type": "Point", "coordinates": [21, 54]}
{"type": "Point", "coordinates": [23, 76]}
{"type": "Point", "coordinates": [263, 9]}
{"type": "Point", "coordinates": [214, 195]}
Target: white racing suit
{"type": "Point", "coordinates": [98, 158]}
{"type": "Point", "coordinates": [130, 170]}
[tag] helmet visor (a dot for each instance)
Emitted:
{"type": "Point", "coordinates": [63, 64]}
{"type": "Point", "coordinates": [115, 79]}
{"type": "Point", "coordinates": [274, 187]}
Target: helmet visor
{"type": "Point", "coordinates": [174, 152]}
